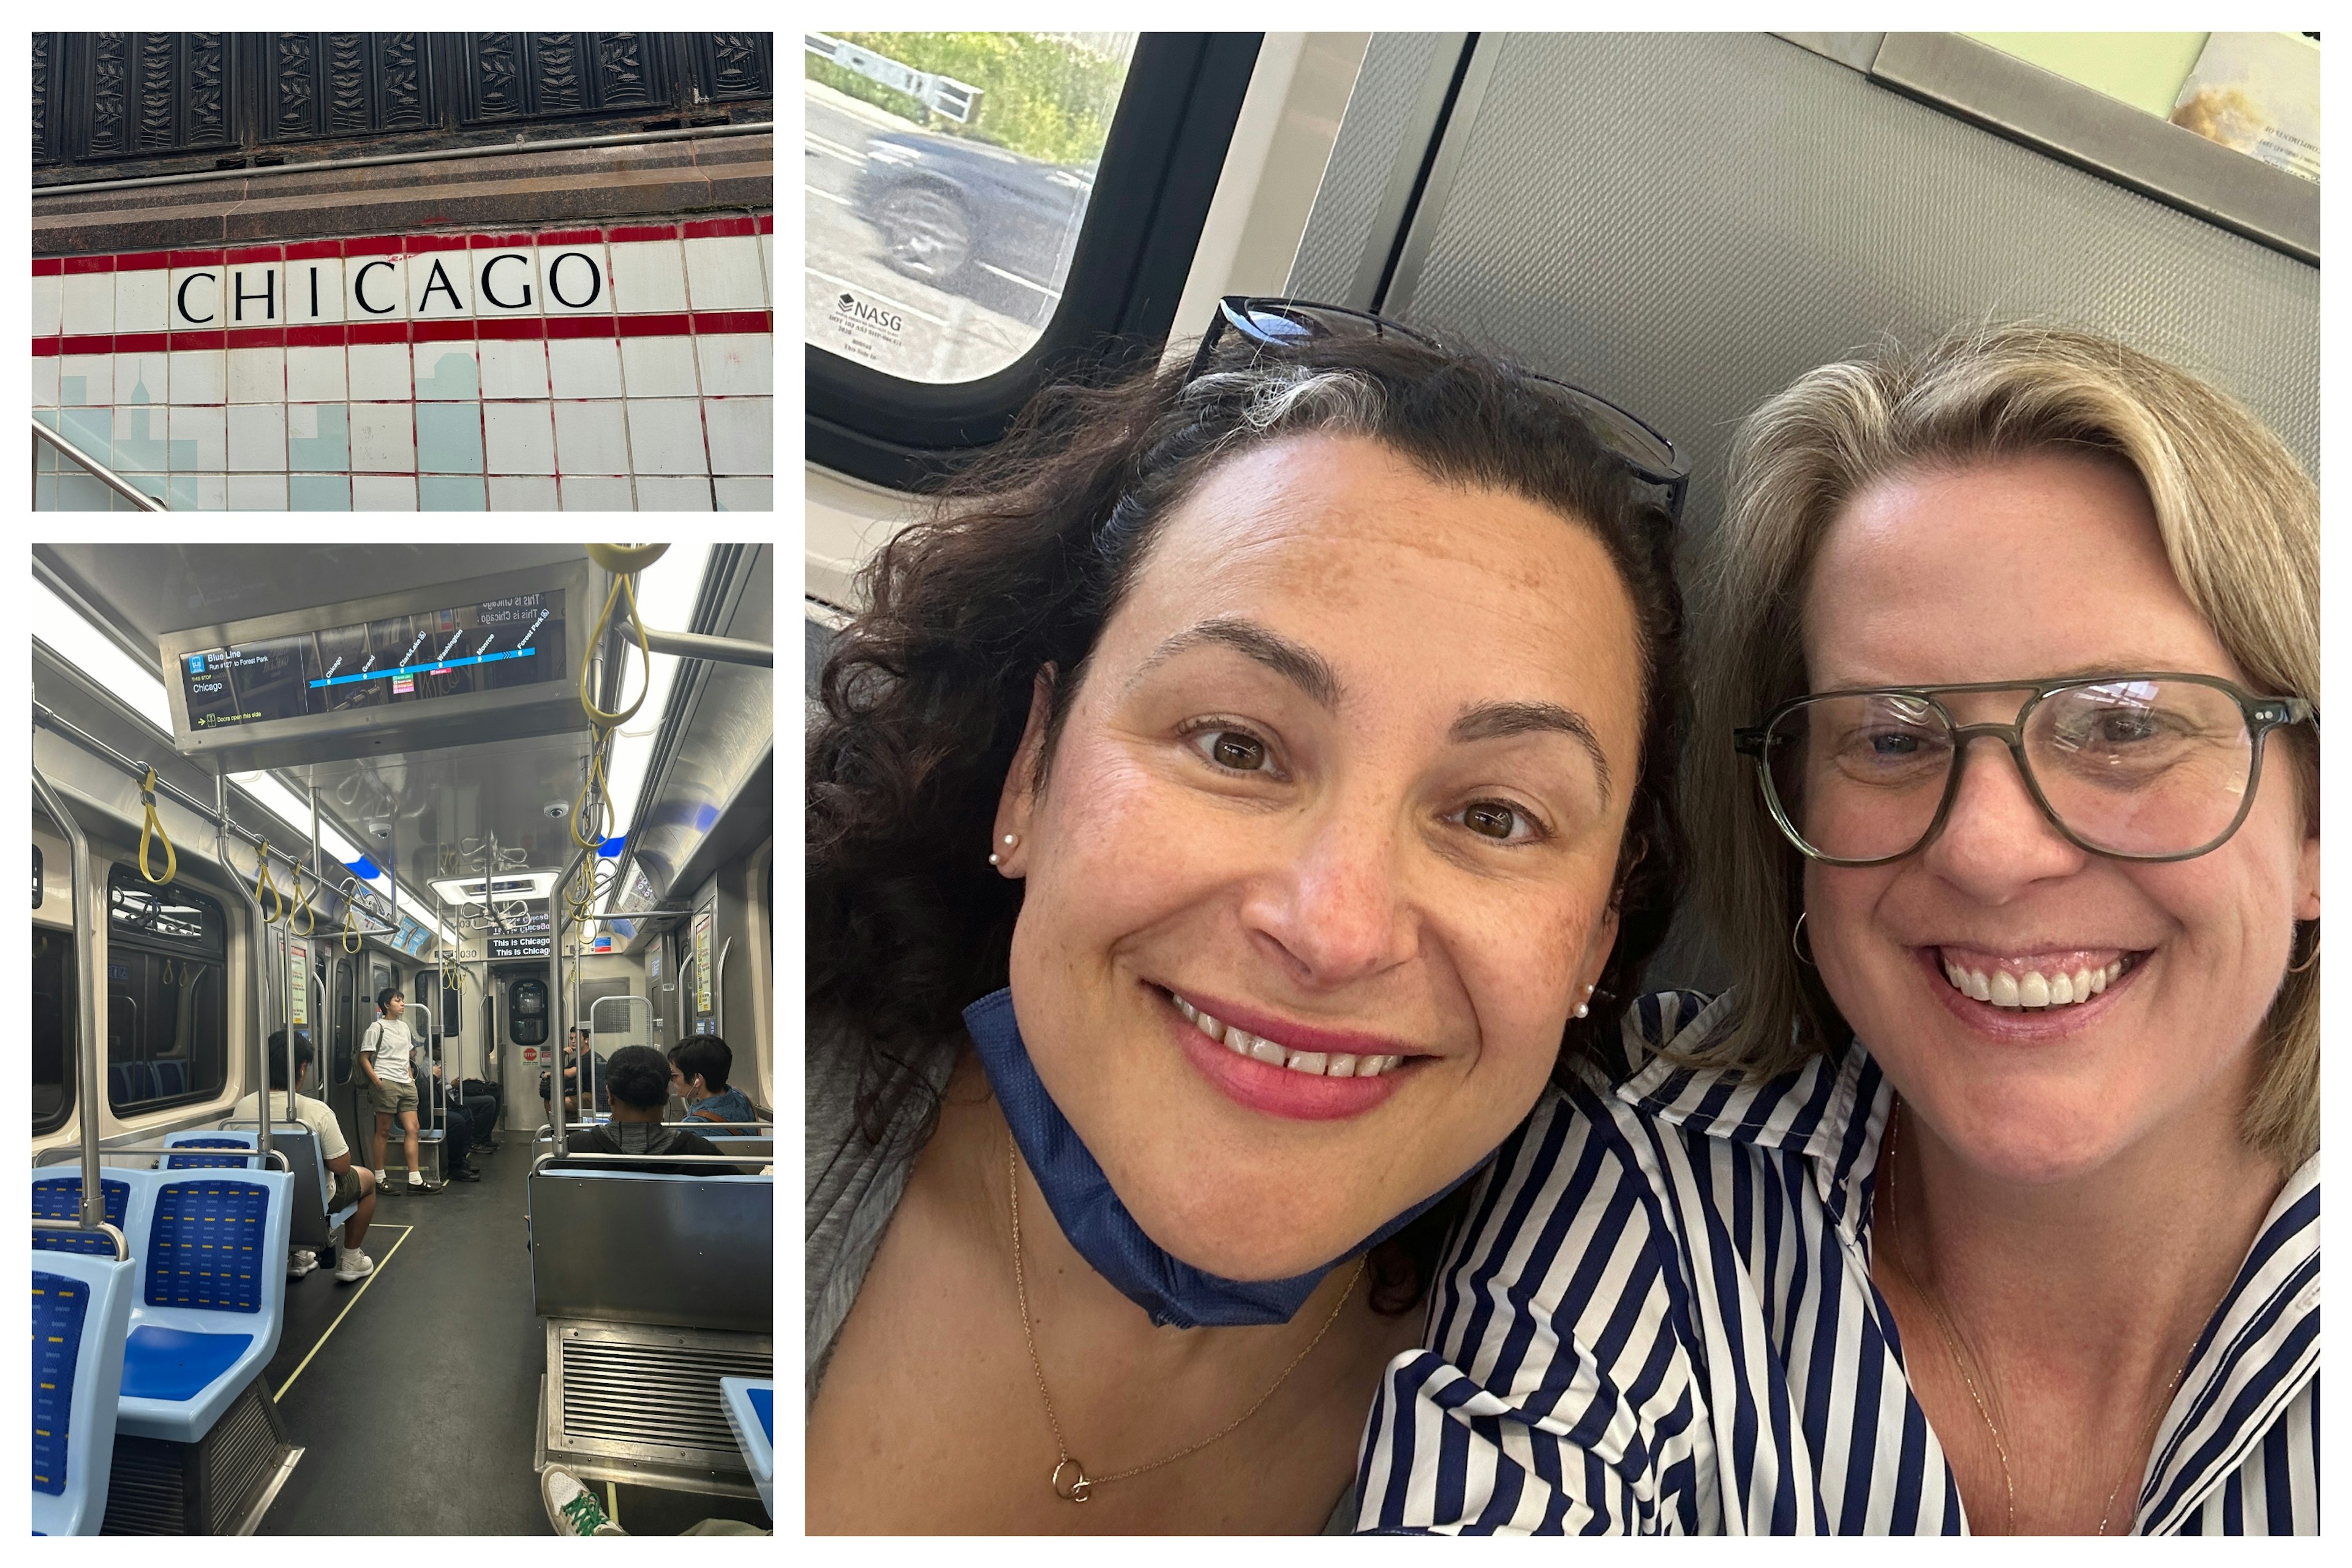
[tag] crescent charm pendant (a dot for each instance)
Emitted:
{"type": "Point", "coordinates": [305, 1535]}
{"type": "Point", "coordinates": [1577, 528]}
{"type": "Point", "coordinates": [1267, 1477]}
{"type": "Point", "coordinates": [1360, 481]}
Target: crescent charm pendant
{"type": "Point", "coordinates": [1079, 1489]}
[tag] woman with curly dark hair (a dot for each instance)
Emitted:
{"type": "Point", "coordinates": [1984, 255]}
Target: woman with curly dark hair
{"type": "Point", "coordinates": [1231, 807]}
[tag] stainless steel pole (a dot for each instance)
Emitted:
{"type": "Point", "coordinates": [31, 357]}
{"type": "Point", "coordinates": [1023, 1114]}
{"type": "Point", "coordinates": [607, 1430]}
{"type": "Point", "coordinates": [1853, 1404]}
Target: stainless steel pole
{"type": "Point", "coordinates": [260, 963]}
{"type": "Point", "coordinates": [90, 1016]}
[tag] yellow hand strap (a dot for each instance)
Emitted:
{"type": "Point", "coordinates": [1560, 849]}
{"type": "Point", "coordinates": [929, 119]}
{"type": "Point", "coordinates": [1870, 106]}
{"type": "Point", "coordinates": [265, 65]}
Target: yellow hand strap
{"type": "Point", "coordinates": [302, 910]}
{"type": "Point", "coordinates": [154, 826]}
{"type": "Point", "coordinates": [263, 883]}
{"type": "Point", "coordinates": [351, 925]}
{"type": "Point", "coordinates": [598, 716]}
{"type": "Point", "coordinates": [594, 790]}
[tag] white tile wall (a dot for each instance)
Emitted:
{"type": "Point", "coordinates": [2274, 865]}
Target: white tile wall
{"type": "Point", "coordinates": [519, 438]}
{"type": "Point", "coordinates": [603, 422]}
{"type": "Point", "coordinates": [741, 434]}
{"type": "Point", "coordinates": [666, 435]}
{"type": "Point", "coordinates": [591, 438]}
{"type": "Point", "coordinates": [658, 367]}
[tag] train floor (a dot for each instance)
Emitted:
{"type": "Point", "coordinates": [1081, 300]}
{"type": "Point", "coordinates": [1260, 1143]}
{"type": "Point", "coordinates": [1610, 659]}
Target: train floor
{"type": "Point", "coordinates": [414, 1394]}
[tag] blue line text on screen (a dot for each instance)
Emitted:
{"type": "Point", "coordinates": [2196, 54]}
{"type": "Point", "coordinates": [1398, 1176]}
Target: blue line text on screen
{"type": "Point", "coordinates": [406, 670]}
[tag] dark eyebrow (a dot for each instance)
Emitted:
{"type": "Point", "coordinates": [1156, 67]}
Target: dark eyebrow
{"type": "Point", "coordinates": [1302, 667]}
{"type": "Point", "coordinates": [1493, 720]}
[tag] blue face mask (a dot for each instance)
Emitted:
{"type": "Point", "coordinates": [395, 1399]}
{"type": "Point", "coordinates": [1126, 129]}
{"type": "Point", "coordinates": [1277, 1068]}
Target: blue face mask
{"type": "Point", "coordinates": [1173, 1292]}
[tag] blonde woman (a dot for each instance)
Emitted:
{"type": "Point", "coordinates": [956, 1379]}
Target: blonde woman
{"type": "Point", "coordinates": [1989, 1201]}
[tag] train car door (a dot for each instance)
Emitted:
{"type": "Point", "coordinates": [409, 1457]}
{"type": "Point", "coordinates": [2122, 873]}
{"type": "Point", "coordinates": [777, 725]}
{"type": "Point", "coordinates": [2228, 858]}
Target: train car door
{"type": "Point", "coordinates": [534, 1047]}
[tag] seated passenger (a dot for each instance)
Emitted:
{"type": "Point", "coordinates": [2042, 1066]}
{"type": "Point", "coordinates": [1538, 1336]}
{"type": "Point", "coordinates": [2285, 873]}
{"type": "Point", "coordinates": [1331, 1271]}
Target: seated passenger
{"type": "Point", "coordinates": [350, 1183]}
{"type": "Point", "coordinates": [640, 1098]}
{"type": "Point", "coordinates": [1229, 811]}
{"type": "Point", "coordinates": [699, 1067]}
{"type": "Point", "coordinates": [457, 1118]}
{"type": "Point", "coordinates": [1988, 1203]}
{"type": "Point", "coordinates": [576, 1043]}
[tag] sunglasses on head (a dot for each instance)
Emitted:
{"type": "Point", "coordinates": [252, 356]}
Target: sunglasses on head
{"type": "Point", "coordinates": [1279, 323]}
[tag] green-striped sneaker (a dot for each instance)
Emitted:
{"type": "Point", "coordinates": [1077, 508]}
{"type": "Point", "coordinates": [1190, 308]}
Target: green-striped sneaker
{"type": "Point", "coordinates": [572, 1508]}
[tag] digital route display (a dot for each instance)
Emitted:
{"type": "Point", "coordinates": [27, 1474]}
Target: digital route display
{"type": "Point", "coordinates": [490, 646]}
{"type": "Point", "coordinates": [520, 946]}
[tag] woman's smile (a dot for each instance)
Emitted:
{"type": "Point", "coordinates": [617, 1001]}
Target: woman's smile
{"type": "Point", "coordinates": [1298, 1071]}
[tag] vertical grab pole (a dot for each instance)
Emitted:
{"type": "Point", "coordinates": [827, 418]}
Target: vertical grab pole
{"type": "Point", "coordinates": [89, 924]}
{"type": "Point", "coordinates": [555, 1017]}
{"type": "Point", "coordinates": [318, 1050]}
{"type": "Point", "coordinates": [260, 962]}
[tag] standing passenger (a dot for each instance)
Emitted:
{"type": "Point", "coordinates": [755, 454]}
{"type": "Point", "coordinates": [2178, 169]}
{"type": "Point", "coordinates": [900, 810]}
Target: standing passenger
{"type": "Point", "coordinates": [391, 1088]}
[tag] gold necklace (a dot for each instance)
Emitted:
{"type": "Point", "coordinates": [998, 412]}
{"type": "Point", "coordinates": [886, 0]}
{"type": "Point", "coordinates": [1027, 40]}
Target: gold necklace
{"type": "Point", "coordinates": [1081, 1487]}
{"type": "Point", "coordinates": [1945, 1330]}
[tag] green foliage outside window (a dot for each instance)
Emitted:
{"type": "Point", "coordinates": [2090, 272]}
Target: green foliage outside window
{"type": "Point", "coordinates": [1043, 97]}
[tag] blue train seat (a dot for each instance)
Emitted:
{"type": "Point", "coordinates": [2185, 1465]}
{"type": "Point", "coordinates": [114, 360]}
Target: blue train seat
{"type": "Point", "coordinates": [202, 1140]}
{"type": "Point", "coordinates": [130, 1083]}
{"type": "Point", "coordinates": [313, 1225]}
{"type": "Point", "coordinates": [81, 1311]}
{"type": "Point", "coordinates": [170, 1078]}
{"type": "Point", "coordinates": [751, 1404]}
{"type": "Point", "coordinates": [211, 1248]}
{"type": "Point", "coordinates": [60, 1197]}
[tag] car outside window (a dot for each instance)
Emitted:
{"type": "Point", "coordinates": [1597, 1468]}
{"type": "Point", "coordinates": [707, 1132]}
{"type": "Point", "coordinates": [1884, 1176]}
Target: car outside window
{"type": "Point", "coordinates": [947, 176]}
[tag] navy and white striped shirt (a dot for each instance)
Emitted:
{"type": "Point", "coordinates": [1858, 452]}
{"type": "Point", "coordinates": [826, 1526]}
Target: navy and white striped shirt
{"type": "Point", "coordinates": [1658, 1318]}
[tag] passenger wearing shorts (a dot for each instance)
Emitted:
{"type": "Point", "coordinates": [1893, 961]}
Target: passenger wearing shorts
{"type": "Point", "coordinates": [392, 1085]}
{"type": "Point", "coordinates": [350, 1184]}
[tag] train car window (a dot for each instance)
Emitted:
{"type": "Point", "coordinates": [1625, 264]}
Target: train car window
{"type": "Point", "coordinates": [947, 176]}
{"type": "Point", "coordinates": [451, 1013]}
{"type": "Point", "coordinates": [346, 1036]}
{"type": "Point", "coordinates": [167, 1010]}
{"type": "Point", "coordinates": [53, 1028]}
{"type": "Point", "coordinates": [527, 1011]}
{"type": "Point", "coordinates": [980, 207]}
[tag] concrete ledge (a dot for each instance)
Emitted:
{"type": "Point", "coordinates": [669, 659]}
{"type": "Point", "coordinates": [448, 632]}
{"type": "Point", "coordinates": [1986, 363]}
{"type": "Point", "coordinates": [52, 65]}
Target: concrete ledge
{"type": "Point", "coordinates": [522, 187]}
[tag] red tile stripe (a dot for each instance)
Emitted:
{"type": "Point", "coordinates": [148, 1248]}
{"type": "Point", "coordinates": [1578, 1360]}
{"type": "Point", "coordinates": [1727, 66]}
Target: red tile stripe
{"type": "Point", "coordinates": [337, 334]}
{"type": "Point", "coordinates": [402, 245]}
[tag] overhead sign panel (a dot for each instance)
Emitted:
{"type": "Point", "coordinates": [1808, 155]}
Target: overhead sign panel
{"type": "Point", "coordinates": [452, 664]}
{"type": "Point", "coordinates": [455, 652]}
{"type": "Point", "coordinates": [520, 946]}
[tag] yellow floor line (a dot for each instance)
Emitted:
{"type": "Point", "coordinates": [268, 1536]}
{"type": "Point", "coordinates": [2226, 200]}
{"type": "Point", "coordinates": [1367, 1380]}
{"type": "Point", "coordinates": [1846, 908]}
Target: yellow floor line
{"type": "Point", "coordinates": [373, 1275]}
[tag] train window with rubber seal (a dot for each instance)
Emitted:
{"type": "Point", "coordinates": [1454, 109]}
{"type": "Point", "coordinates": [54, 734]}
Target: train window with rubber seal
{"type": "Point", "coordinates": [166, 993]}
{"type": "Point", "coordinates": [55, 974]}
{"type": "Point", "coordinates": [984, 208]}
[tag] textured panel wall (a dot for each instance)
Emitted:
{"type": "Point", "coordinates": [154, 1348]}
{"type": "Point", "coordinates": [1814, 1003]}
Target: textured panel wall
{"type": "Point", "coordinates": [1372, 140]}
{"type": "Point", "coordinates": [1686, 222]}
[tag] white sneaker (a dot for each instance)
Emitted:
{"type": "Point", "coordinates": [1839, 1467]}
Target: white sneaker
{"type": "Point", "coordinates": [572, 1509]}
{"type": "Point", "coordinates": [301, 1261]}
{"type": "Point", "coordinates": [355, 1265]}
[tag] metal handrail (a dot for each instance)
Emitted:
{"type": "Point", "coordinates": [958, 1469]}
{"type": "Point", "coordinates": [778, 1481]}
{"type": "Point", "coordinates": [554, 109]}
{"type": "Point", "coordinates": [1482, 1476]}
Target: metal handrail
{"type": "Point", "coordinates": [601, 1157]}
{"type": "Point", "coordinates": [697, 645]}
{"type": "Point", "coordinates": [621, 139]}
{"type": "Point", "coordinates": [193, 1151]}
{"type": "Point", "coordinates": [48, 719]}
{"type": "Point", "coordinates": [97, 471]}
{"type": "Point", "coordinates": [122, 1243]}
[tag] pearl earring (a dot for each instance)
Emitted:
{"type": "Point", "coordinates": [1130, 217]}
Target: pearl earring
{"type": "Point", "coordinates": [992, 859]}
{"type": "Point", "coordinates": [1584, 1009]}
{"type": "Point", "coordinates": [1009, 840]}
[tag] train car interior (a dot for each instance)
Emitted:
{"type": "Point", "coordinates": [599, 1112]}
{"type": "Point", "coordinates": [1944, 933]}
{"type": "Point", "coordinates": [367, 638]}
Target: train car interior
{"type": "Point", "coordinates": [385, 829]}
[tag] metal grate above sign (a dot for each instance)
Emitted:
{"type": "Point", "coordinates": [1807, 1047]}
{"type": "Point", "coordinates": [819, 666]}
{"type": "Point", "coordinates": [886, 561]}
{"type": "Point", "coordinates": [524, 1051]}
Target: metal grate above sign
{"type": "Point", "coordinates": [108, 96]}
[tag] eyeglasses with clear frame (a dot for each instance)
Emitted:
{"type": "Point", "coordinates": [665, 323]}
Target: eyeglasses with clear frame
{"type": "Point", "coordinates": [2156, 766]}
{"type": "Point", "coordinates": [1288, 323]}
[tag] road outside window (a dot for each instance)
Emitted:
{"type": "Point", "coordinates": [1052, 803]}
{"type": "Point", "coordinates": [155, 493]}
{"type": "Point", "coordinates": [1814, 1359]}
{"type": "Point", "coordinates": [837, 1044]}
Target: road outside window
{"type": "Point", "coordinates": [947, 177]}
